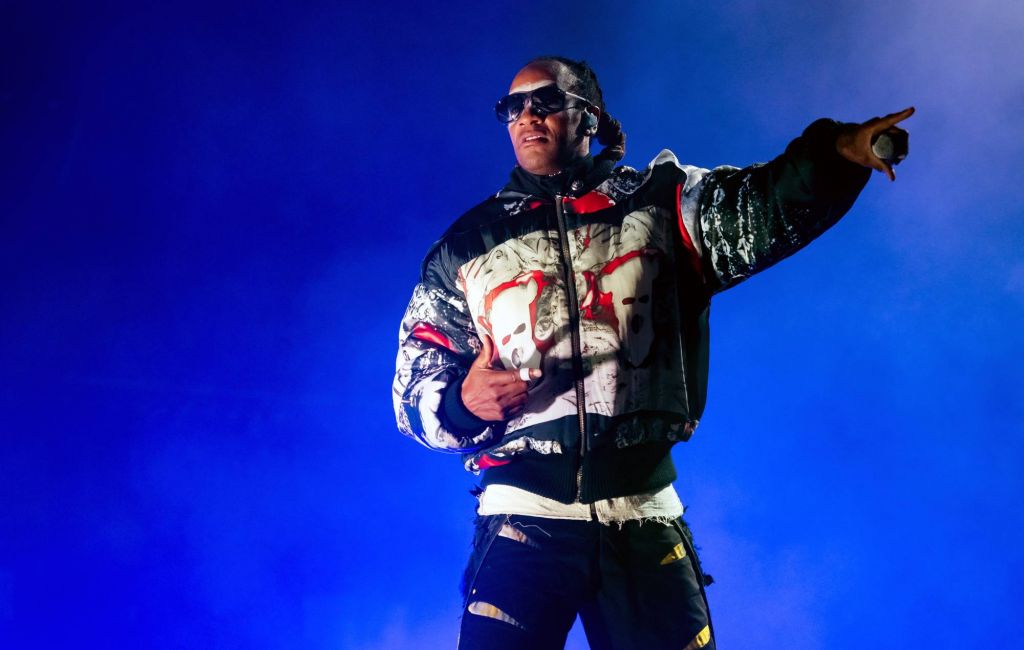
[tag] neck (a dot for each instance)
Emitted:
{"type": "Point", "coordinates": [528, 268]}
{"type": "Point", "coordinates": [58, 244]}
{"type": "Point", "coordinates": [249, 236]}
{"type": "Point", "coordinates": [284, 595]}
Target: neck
{"type": "Point", "coordinates": [560, 182]}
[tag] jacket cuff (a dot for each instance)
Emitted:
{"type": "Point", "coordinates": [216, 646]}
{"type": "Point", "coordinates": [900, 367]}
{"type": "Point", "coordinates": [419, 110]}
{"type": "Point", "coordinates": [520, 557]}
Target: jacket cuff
{"type": "Point", "coordinates": [829, 175]}
{"type": "Point", "coordinates": [455, 416]}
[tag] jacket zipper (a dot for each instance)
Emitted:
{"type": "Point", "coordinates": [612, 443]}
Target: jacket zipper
{"type": "Point", "coordinates": [574, 332]}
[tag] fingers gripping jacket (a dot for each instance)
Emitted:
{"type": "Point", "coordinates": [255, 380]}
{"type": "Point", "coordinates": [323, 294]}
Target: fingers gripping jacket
{"type": "Point", "coordinates": [437, 343]}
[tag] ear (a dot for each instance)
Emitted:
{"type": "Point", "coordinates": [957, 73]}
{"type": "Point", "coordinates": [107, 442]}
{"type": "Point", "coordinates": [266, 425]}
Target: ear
{"type": "Point", "coordinates": [589, 119]}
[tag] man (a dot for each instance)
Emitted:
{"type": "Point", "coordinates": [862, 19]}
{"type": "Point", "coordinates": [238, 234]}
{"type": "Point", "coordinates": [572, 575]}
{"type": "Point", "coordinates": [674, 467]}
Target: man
{"type": "Point", "coordinates": [558, 339]}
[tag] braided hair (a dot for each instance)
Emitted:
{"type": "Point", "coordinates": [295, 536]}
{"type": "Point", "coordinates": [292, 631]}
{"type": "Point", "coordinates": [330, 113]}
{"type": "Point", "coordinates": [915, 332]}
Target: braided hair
{"type": "Point", "coordinates": [584, 84]}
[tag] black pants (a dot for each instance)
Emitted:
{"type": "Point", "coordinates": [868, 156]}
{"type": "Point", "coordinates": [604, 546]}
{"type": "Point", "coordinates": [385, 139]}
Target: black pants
{"type": "Point", "coordinates": [638, 586]}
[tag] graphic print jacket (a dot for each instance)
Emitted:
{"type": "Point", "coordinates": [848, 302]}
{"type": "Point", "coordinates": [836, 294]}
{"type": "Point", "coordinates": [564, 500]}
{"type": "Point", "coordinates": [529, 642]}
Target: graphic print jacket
{"type": "Point", "coordinates": [602, 279]}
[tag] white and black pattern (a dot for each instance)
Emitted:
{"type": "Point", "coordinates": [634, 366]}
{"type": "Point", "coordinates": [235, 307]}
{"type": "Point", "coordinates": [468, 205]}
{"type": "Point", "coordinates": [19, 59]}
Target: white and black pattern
{"type": "Point", "coordinates": [436, 345]}
{"type": "Point", "coordinates": [623, 183]}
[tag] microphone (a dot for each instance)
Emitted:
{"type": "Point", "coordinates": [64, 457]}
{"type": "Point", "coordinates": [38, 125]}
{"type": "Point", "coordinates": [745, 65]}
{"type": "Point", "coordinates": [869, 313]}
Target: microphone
{"type": "Point", "coordinates": [891, 146]}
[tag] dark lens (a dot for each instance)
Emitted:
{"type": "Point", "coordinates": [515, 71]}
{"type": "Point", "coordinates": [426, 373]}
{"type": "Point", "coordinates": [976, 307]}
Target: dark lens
{"type": "Point", "coordinates": [548, 99]}
{"type": "Point", "coordinates": [510, 107]}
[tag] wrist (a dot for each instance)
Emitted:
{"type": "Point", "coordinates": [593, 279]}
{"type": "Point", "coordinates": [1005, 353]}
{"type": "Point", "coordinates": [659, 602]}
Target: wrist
{"type": "Point", "coordinates": [455, 415]}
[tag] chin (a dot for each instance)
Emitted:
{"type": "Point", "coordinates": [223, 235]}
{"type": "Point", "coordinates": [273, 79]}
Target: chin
{"type": "Point", "coordinates": [539, 167]}
{"type": "Point", "coordinates": [534, 160]}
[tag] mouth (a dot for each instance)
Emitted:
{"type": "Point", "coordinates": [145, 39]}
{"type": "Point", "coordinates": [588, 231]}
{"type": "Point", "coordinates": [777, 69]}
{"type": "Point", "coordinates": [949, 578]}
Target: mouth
{"type": "Point", "coordinates": [533, 138]}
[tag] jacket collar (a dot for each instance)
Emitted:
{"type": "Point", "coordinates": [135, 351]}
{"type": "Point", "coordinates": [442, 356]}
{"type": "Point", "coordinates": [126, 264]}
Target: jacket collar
{"type": "Point", "coordinates": [583, 175]}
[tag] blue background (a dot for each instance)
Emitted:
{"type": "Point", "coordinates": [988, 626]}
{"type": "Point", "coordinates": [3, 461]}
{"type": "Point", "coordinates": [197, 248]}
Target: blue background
{"type": "Point", "coordinates": [211, 219]}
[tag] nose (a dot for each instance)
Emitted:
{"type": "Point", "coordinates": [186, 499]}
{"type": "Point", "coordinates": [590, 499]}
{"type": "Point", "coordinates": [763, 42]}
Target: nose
{"type": "Point", "coordinates": [529, 115]}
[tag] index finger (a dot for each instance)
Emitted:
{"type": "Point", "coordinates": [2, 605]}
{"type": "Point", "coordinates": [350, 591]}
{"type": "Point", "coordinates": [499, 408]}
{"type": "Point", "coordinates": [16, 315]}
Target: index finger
{"type": "Point", "coordinates": [506, 377]}
{"type": "Point", "coordinates": [893, 118]}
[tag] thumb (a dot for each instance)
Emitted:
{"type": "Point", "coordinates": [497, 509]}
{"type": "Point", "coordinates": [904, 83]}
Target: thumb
{"type": "Point", "coordinates": [483, 360]}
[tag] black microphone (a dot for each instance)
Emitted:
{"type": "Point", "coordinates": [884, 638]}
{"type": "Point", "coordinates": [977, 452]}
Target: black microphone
{"type": "Point", "coordinates": [891, 146]}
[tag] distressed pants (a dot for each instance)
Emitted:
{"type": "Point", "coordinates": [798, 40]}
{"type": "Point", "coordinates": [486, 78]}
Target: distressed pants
{"type": "Point", "coordinates": [638, 586]}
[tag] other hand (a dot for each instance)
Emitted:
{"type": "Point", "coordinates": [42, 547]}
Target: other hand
{"type": "Point", "coordinates": [854, 143]}
{"type": "Point", "coordinates": [492, 394]}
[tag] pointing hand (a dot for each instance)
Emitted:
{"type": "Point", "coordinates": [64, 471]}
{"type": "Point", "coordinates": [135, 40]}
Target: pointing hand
{"type": "Point", "coordinates": [854, 144]}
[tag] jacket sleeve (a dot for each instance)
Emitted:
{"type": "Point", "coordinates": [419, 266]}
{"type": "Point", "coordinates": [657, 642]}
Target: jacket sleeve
{"type": "Point", "coordinates": [748, 219]}
{"type": "Point", "coordinates": [436, 345]}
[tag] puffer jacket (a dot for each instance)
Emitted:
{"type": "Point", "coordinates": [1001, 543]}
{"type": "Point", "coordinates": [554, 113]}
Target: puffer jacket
{"type": "Point", "coordinates": [602, 279]}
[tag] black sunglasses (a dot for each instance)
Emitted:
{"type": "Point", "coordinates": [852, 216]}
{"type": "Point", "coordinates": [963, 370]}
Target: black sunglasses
{"type": "Point", "coordinates": [543, 101]}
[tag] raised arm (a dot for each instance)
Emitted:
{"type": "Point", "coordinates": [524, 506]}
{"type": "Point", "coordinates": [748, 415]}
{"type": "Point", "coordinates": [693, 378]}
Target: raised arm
{"type": "Point", "coordinates": [748, 219]}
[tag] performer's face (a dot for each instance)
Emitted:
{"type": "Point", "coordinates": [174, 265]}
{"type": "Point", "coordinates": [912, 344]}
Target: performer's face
{"type": "Point", "coordinates": [546, 144]}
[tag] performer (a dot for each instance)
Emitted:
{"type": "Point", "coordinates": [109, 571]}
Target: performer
{"type": "Point", "coordinates": [558, 339]}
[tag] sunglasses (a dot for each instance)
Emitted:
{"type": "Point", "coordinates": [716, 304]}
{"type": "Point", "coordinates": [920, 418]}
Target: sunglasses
{"type": "Point", "coordinates": [543, 101]}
